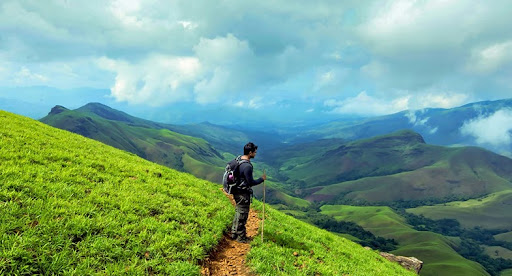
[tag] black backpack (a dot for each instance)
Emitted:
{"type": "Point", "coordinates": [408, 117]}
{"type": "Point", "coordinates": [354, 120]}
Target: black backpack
{"type": "Point", "coordinates": [231, 179]}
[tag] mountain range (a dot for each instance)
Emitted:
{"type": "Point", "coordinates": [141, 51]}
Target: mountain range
{"type": "Point", "coordinates": [447, 127]}
{"type": "Point", "coordinates": [358, 162]}
{"type": "Point", "coordinates": [72, 205]}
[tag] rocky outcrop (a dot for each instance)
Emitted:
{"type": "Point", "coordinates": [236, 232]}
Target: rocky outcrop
{"type": "Point", "coordinates": [57, 109]}
{"type": "Point", "coordinates": [409, 263]}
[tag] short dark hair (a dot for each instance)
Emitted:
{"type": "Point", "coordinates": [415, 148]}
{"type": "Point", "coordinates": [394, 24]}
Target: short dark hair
{"type": "Point", "coordinates": [250, 147]}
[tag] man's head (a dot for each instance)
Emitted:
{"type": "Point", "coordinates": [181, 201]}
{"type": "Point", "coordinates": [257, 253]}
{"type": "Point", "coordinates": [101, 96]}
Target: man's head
{"type": "Point", "coordinates": [250, 150]}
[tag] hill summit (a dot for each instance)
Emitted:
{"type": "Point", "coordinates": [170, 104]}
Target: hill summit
{"type": "Point", "coordinates": [57, 109]}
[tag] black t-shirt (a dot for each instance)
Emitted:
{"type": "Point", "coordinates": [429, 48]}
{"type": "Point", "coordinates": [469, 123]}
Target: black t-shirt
{"type": "Point", "coordinates": [246, 175]}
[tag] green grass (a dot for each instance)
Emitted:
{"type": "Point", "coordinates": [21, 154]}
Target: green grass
{"type": "Point", "coordinates": [507, 272]}
{"type": "Point", "coordinates": [436, 251]}
{"type": "Point", "coordinates": [71, 205]}
{"type": "Point", "coordinates": [504, 237]}
{"type": "Point", "coordinates": [448, 177]}
{"type": "Point", "coordinates": [144, 138]}
{"type": "Point", "coordinates": [498, 252]}
{"type": "Point", "coordinates": [489, 212]}
{"type": "Point", "coordinates": [317, 252]}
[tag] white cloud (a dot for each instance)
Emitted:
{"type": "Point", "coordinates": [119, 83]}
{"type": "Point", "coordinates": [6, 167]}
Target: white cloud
{"type": "Point", "coordinates": [25, 75]}
{"type": "Point", "coordinates": [156, 80]}
{"type": "Point", "coordinates": [440, 100]}
{"type": "Point", "coordinates": [188, 25]}
{"type": "Point", "coordinates": [226, 50]}
{"type": "Point", "coordinates": [226, 60]}
{"type": "Point", "coordinates": [491, 58]}
{"type": "Point", "coordinates": [403, 25]}
{"type": "Point", "coordinates": [126, 12]}
{"type": "Point", "coordinates": [254, 103]}
{"type": "Point", "coordinates": [239, 104]}
{"type": "Point", "coordinates": [416, 120]}
{"type": "Point", "coordinates": [310, 110]}
{"type": "Point", "coordinates": [213, 89]}
{"type": "Point", "coordinates": [375, 69]}
{"type": "Point", "coordinates": [494, 129]}
{"type": "Point", "coordinates": [363, 104]}
{"type": "Point", "coordinates": [322, 49]}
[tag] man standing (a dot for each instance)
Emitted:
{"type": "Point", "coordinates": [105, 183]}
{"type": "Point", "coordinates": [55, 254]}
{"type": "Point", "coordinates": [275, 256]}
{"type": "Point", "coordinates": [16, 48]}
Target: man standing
{"type": "Point", "coordinates": [242, 193]}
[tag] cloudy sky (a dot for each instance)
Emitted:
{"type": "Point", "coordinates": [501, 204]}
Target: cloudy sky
{"type": "Point", "coordinates": [337, 57]}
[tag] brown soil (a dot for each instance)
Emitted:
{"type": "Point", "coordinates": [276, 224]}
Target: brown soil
{"type": "Point", "coordinates": [229, 256]}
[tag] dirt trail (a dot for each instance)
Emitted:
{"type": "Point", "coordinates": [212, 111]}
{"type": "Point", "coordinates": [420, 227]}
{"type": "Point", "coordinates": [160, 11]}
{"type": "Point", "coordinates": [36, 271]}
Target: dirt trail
{"type": "Point", "coordinates": [229, 256]}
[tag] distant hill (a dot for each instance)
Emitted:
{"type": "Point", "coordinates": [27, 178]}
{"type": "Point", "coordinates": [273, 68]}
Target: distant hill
{"type": "Point", "coordinates": [397, 166]}
{"type": "Point", "coordinates": [72, 205]}
{"type": "Point", "coordinates": [438, 126]}
{"type": "Point", "coordinates": [147, 139]}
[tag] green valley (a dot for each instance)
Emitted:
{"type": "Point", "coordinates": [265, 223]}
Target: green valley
{"type": "Point", "coordinates": [74, 206]}
{"type": "Point", "coordinates": [435, 250]}
{"type": "Point", "coordinates": [490, 212]}
{"type": "Point", "coordinates": [398, 170]}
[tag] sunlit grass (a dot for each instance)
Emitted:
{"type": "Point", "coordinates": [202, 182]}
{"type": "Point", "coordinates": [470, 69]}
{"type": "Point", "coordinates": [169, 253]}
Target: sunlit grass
{"type": "Point", "coordinates": [436, 251]}
{"type": "Point", "coordinates": [293, 247]}
{"type": "Point", "coordinates": [70, 205]}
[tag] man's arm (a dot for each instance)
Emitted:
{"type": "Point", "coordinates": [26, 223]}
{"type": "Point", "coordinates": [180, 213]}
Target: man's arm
{"type": "Point", "coordinates": [246, 169]}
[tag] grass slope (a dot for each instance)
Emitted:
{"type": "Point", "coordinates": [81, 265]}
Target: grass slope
{"type": "Point", "coordinates": [71, 205]}
{"type": "Point", "coordinates": [507, 272]}
{"type": "Point", "coordinates": [432, 172]}
{"type": "Point", "coordinates": [144, 138]}
{"type": "Point", "coordinates": [436, 251]}
{"type": "Point", "coordinates": [74, 206]}
{"type": "Point", "coordinates": [490, 212]}
{"type": "Point", "coordinates": [498, 252]}
{"type": "Point", "coordinates": [293, 247]}
{"type": "Point", "coordinates": [504, 237]}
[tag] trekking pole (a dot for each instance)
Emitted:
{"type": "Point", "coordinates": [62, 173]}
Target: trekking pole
{"type": "Point", "coordinates": [263, 221]}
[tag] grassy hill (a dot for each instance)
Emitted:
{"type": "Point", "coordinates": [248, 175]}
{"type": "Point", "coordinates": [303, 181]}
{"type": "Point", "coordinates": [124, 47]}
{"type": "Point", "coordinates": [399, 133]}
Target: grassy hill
{"type": "Point", "coordinates": [490, 212]}
{"type": "Point", "coordinates": [147, 139]}
{"type": "Point", "coordinates": [294, 247]}
{"type": "Point", "coordinates": [498, 252]}
{"type": "Point", "coordinates": [504, 237]}
{"type": "Point", "coordinates": [71, 205]}
{"type": "Point", "coordinates": [226, 139]}
{"type": "Point", "coordinates": [507, 272]}
{"type": "Point", "coordinates": [400, 166]}
{"type": "Point", "coordinates": [435, 250]}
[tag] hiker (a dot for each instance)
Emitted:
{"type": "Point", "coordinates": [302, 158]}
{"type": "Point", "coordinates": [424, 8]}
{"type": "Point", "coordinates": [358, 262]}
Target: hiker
{"type": "Point", "coordinates": [242, 193]}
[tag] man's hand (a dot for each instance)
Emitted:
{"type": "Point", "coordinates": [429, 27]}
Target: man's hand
{"type": "Point", "coordinates": [264, 176]}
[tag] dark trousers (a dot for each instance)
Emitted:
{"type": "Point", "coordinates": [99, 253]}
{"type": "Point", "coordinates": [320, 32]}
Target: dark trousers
{"type": "Point", "coordinates": [243, 202]}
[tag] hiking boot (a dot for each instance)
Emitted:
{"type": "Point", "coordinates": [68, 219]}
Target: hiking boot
{"type": "Point", "coordinates": [233, 236]}
{"type": "Point", "coordinates": [243, 239]}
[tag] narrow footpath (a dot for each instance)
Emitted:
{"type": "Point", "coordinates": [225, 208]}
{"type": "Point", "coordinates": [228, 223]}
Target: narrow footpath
{"type": "Point", "coordinates": [229, 256]}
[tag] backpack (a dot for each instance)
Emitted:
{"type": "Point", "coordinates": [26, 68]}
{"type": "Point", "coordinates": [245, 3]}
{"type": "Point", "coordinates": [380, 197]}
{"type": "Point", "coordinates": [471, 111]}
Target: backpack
{"type": "Point", "coordinates": [231, 178]}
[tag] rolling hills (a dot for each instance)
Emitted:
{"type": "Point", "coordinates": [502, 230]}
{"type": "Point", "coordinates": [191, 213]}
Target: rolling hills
{"type": "Point", "coordinates": [438, 126]}
{"type": "Point", "coordinates": [394, 167]}
{"type": "Point", "coordinates": [489, 212]}
{"type": "Point", "coordinates": [436, 250]}
{"type": "Point", "coordinates": [147, 139]}
{"type": "Point", "coordinates": [397, 169]}
{"type": "Point", "coordinates": [72, 205]}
